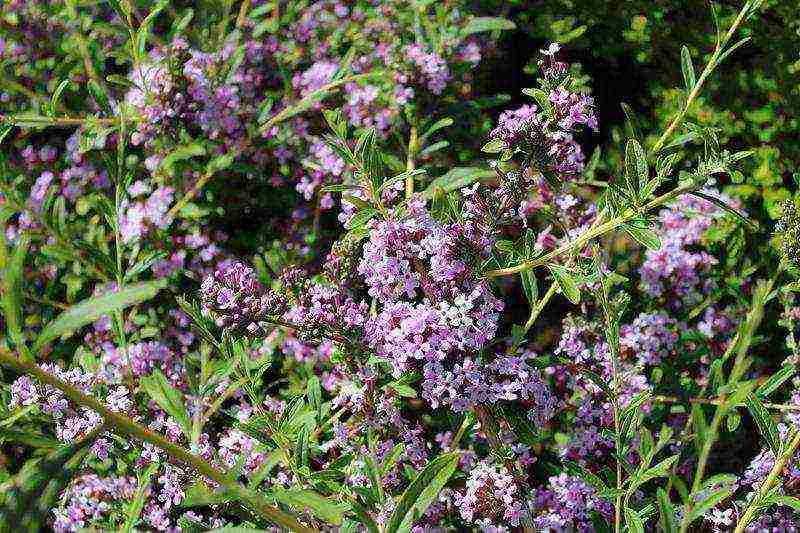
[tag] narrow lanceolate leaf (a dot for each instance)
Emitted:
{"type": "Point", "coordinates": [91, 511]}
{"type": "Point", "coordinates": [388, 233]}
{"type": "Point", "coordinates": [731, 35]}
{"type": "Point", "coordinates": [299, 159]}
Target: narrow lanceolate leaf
{"type": "Point", "coordinates": [301, 448]}
{"type": "Point", "coordinates": [633, 521]}
{"type": "Point", "coordinates": [482, 24]}
{"type": "Point", "coordinates": [12, 294]}
{"type": "Point", "coordinates": [27, 498]}
{"type": "Point", "coordinates": [529, 286]}
{"type": "Point", "coordinates": [707, 503]}
{"type": "Point", "coordinates": [182, 153]}
{"type": "Point", "coordinates": [422, 491]}
{"type": "Point", "coordinates": [636, 170]}
{"type": "Point", "coordinates": [320, 506]}
{"type": "Point", "coordinates": [94, 308]}
{"type": "Point", "coordinates": [566, 282]}
{"type": "Point", "coordinates": [752, 225]}
{"type": "Point", "coordinates": [687, 68]}
{"type": "Point", "coordinates": [642, 234]}
{"type": "Point", "coordinates": [137, 504]}
{"type": "Point", "coordinates": [167, 397]}
{"type": "Point", "coordinates": [787, 501]}
{"type": "Point", "coordinates": [766, 425]}
{"type": "Point", "coordinates": [775, 380]}
{"type": "Point", "coordinates": [666, 511]}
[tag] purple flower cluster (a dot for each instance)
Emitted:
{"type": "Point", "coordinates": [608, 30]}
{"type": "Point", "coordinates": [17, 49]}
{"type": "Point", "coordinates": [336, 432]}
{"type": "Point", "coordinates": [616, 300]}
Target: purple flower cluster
{"type": "Point", "coordinates": [237, 300]}
{"type": "Point", "coordinates": [675, 270]}
{"type": "Point", "coordinates": [491, 496]}
{"type": "Point", "coordinates": [650, 338]}
{"type": "Point", "coordinates": [566, 504]}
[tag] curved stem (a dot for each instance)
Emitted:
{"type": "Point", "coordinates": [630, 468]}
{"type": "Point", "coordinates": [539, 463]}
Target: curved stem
{"type": "Point", "coordinates": [698, 86]}
{"type": "Point", "coordinates": [126, 426]}
{"type": "Point", "coordinates": [768, 484]}
{"type": "Point", "coordinates": [591, 233]}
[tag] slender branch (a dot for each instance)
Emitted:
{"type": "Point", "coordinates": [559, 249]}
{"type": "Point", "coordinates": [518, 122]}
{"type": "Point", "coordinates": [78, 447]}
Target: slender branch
{"type": "Point", "coordinates": [768, 484]}
{"type": "Point", "coordinates": [124, 425]}
{"type": "Point", "coordinates": [741, 364]}
{"type": "Point", "coordinates": [315, 96]}
{"type": "Point", "coordinates": [596, 231]}
{"type": "Point", "coordinates": [698, 86]}
{"type": "Point", "coordinates": [719, 401]}
{"type": "Point", "coordinates": [190, 194]}
{"type": "Point", "coordinates": [413, 146]}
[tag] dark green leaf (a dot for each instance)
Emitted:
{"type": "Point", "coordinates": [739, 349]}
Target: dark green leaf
{"type": "Point", "coordinates": [666, 511]}
{"type": "Point", "coordinates": [422, 491]}
{"type": "Point", "coordinates": [321, 507]}
{"type": "Point", "coordinates": [137, 504]}
{"type": "Point", "coordinates": [566, 282]}
{"type": "Point", "coordinates": [689, 78]}
{"type": "Point", "coordinates": [766, 425]}
{"type": "Point", "coordinates": [92, 309]}
{"type": "Point", "coordinates": [167, 397]}
{"type": "Point", "coordinates": [483, 24]}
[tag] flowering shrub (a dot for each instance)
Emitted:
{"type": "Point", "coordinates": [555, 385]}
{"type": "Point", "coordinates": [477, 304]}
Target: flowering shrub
{"type": "Point", "coordinates": [282, 265]}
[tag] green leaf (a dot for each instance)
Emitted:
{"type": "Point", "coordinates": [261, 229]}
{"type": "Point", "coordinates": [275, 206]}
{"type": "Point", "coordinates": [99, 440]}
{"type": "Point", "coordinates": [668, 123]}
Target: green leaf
{"type": "Point", "coordinates": [221, 162]}
{"type": "Point", "coordinates": [457, 178]}
{"type": "Point", "coordinates": [642, 234]}
{"type": "Point", "coordinates": [529, 286]}
{"type": "Point", "coordinates": [435, 147]}
{"type": "Point", "coordinates": [391, 459]}
{"type": "Point", "coordinates": [144, 27]}
{"type": "Point", "coordinates": [438, 125]}
{"type": "Point", "coordinates": [364, 517]}
{"type": "Point", "coordinates": [662, 469]}
{"type": "Point", "coordinates": [27, 499]}
{"type": "Point", "coordinates": [403, 390]}
{"type": "Point", "coordinates": [591, 478]}
{"type": "Point", "coordinates": [12, 295]}
{"type": "Point", "coordinates": [301, 447]}
{"type": "Point", "coordinates": [775, 380]}
{"type": "Point", "coordinates": [137, 504]}
{"type": "Point", "coordinates": [636, 170]}
{"type": "Point", "coordinates": [689, 78]}
{"type": "Point", "coordinates": [361, 218]}
{"type": "Point", "coordinates": [666, 511]}
{"type": "Point", "coordinates": [566, 282]}
{"type": "Point", "coordinates": [732, 421]}
{"type": "Point", "coordinates": [633, 521]}
{"type": "Point", "coordinates": [752, 225]}
{"type": "Point", "coordinates": [483, 24]}
{"type": "Point", "coordinates": [495, 146]}
{"type": "Point", "coordinates": [314, 393]}
{"type": "Point", "coordinates": [374, 476]}
{"type": "Point", "coordinates": [181, 153]}
{"type": "Point", "coordinates": [92, 309]}
{"type": "Point", "coordinates": [787, 501]}
{"type": "Point", "coordinates": [699, 424]}
{"type": "Point", "coordinates": [422, 491]}
{"type": "Point", "coordinates": [766, 425]}
{"type": "Point", "coordinates": [320, 506]}
{"type": "Point", "coordinates": [700, 509]}
{"type": "Point", "coordinates": [167, 397]}
{"type": "Point", "coordinates": [54, 100]}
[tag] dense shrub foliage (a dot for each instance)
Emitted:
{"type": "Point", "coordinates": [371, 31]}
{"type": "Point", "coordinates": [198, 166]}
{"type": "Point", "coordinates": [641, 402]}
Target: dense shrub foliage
{"type": "Point", "coordinates": [310, 265]}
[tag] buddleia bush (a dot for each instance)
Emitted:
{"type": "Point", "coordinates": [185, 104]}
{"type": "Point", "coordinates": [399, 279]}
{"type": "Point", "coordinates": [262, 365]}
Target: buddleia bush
{"type": "Point", "coordinates": [302, 266]}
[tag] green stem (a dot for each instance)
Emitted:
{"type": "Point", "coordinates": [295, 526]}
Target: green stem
{"type": "Point", "coordinates": [413, 146]}
{"type": "Point", "coordinates": [740, 345]}
{"type": "Point", "coordinates": [125, 426]}
{"type": "Point", "coordinates": [695, 92]}
{"type": "Point", "coordinates": [768, 484]}
{"type": "Point", "coordinates": [595, 231]}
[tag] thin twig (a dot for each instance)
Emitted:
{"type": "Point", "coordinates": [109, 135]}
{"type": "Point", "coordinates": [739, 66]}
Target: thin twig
{"type": "Point", "coordinates": [125, 426]}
